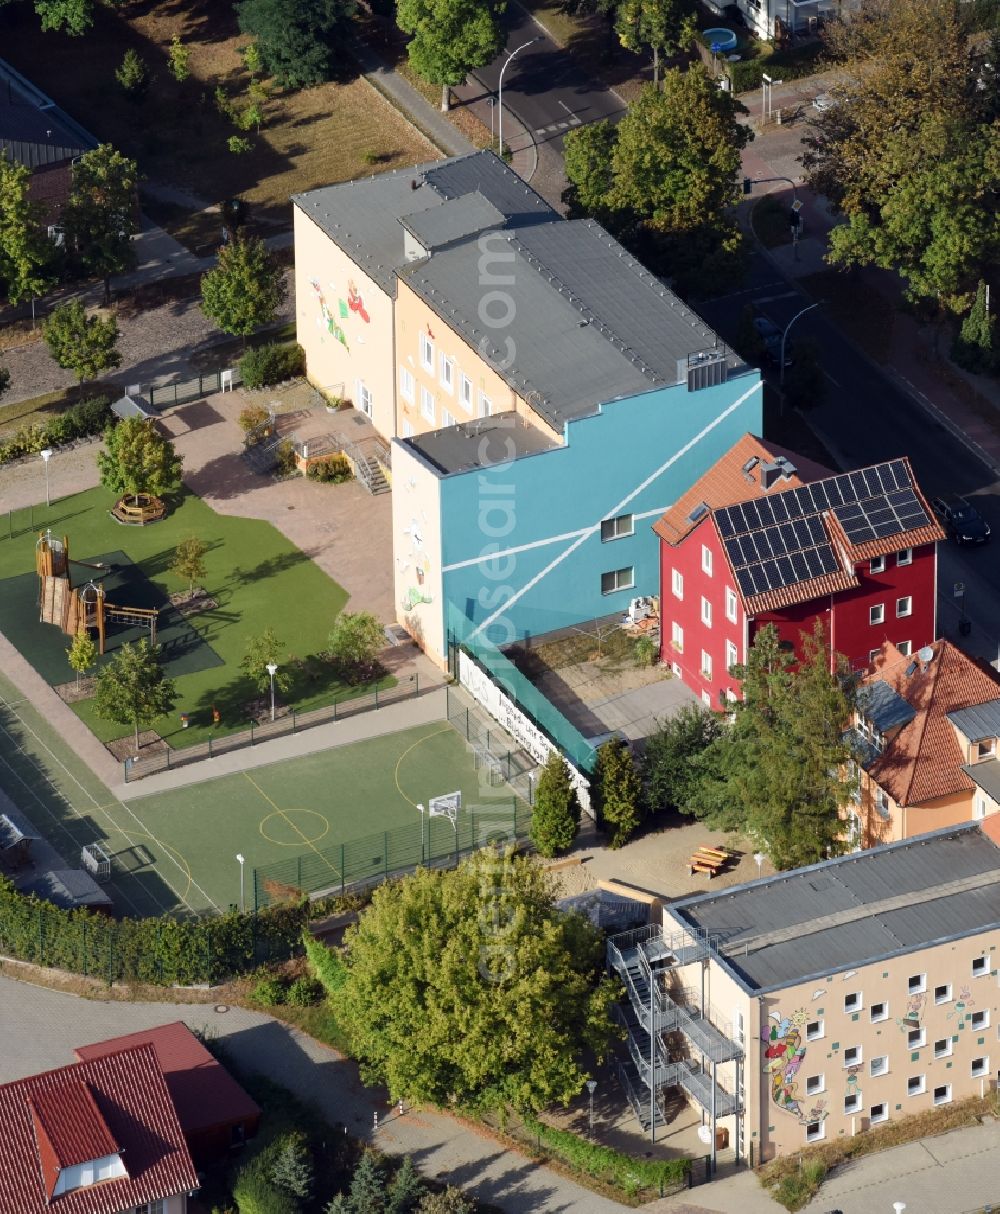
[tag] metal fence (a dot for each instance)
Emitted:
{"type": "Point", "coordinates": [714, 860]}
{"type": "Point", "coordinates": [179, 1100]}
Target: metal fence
{"type": "Point", "coordinates": [493, 751]}
{"type": "Point", "coordinates": [295, 722]}
{"type": "Point", "coordinates": [162, 396]}
{"type": "Point", "coordinates": [358, 863]}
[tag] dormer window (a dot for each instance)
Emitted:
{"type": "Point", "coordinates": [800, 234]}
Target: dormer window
{"type": "Point", "coordinates": [986, 748]}
{"type": "Point", "coordinates": [94, 1171]}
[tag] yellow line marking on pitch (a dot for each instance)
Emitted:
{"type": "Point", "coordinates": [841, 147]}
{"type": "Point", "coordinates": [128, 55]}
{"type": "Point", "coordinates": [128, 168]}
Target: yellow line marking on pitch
{"type": "Point", "coordinates": [182, 864]}
{"type": "Point", "coordinates": [418, 742]}
{"type": "Point", "coordinates": [296, 809]}
{"type": "Point", "coordinates": [279, 810]}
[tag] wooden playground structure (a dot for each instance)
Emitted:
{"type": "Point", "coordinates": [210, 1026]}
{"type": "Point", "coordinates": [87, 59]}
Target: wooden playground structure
{"type": "Point", "coordinates": [72, 608]}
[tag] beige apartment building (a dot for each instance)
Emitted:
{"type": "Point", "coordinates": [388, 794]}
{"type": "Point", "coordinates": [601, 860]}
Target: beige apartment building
{"type": "Point", "coordinates": [819, 1003]}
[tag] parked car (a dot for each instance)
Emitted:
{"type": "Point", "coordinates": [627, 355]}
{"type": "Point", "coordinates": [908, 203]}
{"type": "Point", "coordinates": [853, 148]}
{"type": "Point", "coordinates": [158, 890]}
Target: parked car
{"type": "Point", "coordinates": [770, 335]}
{"type": "Point", "coordinates": [823, 102]}
{"type": "Point", "coordinates": [961, 519]}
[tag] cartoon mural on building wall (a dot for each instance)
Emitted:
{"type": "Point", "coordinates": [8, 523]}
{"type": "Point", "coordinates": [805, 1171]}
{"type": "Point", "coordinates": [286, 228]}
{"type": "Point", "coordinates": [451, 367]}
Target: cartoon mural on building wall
{"type": "Point", "coordinates": [914, 1012]}
{"type": "Point", "coordinates": [962, 1004]}
{"type": "Point", "coordinates": [326, 319]}
{"type": "Point", "coordinates": [784, 1054]}
{"type": "Point", "coordinates": [420, 565]}
{"type": "Point", "coordinates": [355, 303]}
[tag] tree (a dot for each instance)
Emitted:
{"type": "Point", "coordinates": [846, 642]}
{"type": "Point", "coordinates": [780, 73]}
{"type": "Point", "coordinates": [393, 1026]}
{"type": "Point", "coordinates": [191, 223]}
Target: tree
{"type": "Point", "coordinates": [179, 59]}
{"type": "Point", "coordinates": [406, 1189]}
{"type": "Point", "coordinates": [133, 75]}
{"type": "Point", "coordinates": [138, 459]}
{"type": "Point", "coordinates": [450, 38]}
{"type": "Point", "coordinates": [82, 654]}
{"type": "Point", "coordinates": [619, 791]}
{"type": "Point", "coordinates": [355, 642]}
{"type": "Point", "coordinates": [587, 157]}
{"type": "Point", "coordinates": [449, 1201]}
{"type": "Point", "coordinates": [263, 651]}
{"type": "Point", "coordinates": [665, 26]}
{"type": "Point", "coordinates": [470, 988]}
{"type": "Point", "coordinates": [189, 560]}
{"type": "Point", "coordinates": [26, 255]}
{"type": "Point", "coordinates": [778, 773]}
{"type": "Point", "coordinates": [85, 345]}
{"type": "Point", "coordinates": [292, 1169]}
{"type": "Point", "coordinates": [4, 379]}
{"type": "Point", "coordinates": [975, 347]}
{"type": "Point", "coordinates": [670, 752]}
{"type": "Point", "coordinates": [245, 289]}
{"type": "Point", "coordinates": [132, 688]}
{"type": "Point", "coordinates": [293, 37]}
{"type": "Point", "coordinates": [101, 216]}
{"type": "Point", "coordinates": [239, 145]}
{"type": "Point", "coordinates": [555, 816]}
{"type": "Point", "coordinates": [73, 17]}
{"type": "Point", "coordinates": [367, 1186]}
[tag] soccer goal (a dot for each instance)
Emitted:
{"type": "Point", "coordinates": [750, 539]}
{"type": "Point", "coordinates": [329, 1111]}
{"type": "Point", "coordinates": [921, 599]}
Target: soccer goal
{"type": "Point", "coordinates": [96, 861]}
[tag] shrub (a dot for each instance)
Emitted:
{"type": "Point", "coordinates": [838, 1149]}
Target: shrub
{"type": "Point", "coordinates": [271, 364]}
{"type": "Point", "coordinates": [285, 455]}
{"type": "Point", "coordinates": [87, 417]}
{"type": "Point", "coordinates": [255, 1193]}
{"type": "Point", "coordinates": [645, 651]}
{"type": "Point", "coordinates": [326, 963]}
{"type": "Point", "coordinates": [304, 992]}
{"type": "Point", "coordinates": [792, 64]}
{"type": "Point", "coordinates": [333, 470]}
{"type": "Point", "coordinates": [253, 416]}
{"type": "Point", "coordinates": [269, 992]}
{"type": "Point", "coordinates": [605, 1163]}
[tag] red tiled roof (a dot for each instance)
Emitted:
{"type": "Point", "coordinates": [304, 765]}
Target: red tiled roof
{"type": "Point", "coordinates": [924, 759]}
{"type": "Point", "coordinates": [130, 1098]}
{"type": "Point", "coordinates": [725, 484]}
{"type": "Point", "coordinates": [205, 1095]}
{"type": "Point", "coordinates": [800, 592]}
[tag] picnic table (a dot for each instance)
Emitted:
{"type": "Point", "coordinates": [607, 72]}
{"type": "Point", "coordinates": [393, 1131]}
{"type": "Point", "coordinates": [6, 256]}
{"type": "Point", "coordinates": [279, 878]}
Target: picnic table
{"type": "Point", "coordinates": [708, 860]}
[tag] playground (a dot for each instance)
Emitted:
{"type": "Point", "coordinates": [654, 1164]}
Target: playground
{"type": "Point", "coordinates": [176, 851]}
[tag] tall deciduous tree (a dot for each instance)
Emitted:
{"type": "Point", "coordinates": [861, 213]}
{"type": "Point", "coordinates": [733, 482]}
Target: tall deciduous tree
{"type": "Point", "coordinates": [245, 290]}
{"type": "Point", "coordinates": [132, 688]}
{"type": "Point", "coordinates": [664, 26]}
{"type": "Point", "coordinates": [189, 560]}
{"type": "Point", "coordinates": [26, 255]}
{"type": "Point", "coordinates": [263, 651]}
{"type": "Point", "coordinates": [470, 987]}
{"type": "Point", "coordinates": [82, 654]}
{"type": "Point", "coordinates": [670, 752]}
{"type": "Point", "coordinates": [587, 157]}
{"type": "Point", "coordinates": [618, 791]}
{"type": "Point", "coordinates": [138, 459]}
{"type": "Point", "coordinates": [778, 773]}
{"type": "Point", "coordinates": [450, 38]}
{"type": "Point", "coordinates": [294, 37]}
{"type": "Point", "coordinates": [101, 215]}
{"type": "Point", "coordinates": [85, 345]}
{"type": "Point", "coordinates": [355, 642]}
{"type": "Point", "coordinates": [555, 815]}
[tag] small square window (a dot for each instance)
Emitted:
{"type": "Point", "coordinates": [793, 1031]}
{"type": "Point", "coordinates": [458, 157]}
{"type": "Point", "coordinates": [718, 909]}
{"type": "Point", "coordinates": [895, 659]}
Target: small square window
{"type": "Point", "coordinates": [876, 614]}
{"type": "Point", "coordinates": [706, 699]}
{"type": "Point", "coordinates": [879, 1011]}
{"type": "Point", "coordinates": [731, 604]}
{"type": "Point", "coordinates": [465, 393]}
{"type": "Point", "coordinates": [872, 655]}
{"type": "Point", "coordinates": [618, 579]}
{"type": "Point", "coordinates": [815, 1131]}
{"type": "Point", "coordinates": [706, 665]}
{"type": "Point", "coordinates": [877, 565]}
{"type": "Point", "coordinates": [485, 405]}
{"type": "Point", "coordinates": [706, 612]}
{"type": "Point", "coordinates": [677, 583]}
{"type": "Point", "coordinates": [446, 419]}
{"type": "Point", "coordinates": [980, 1020]}
{"type": "Point", "coordinates": [980, 1066]}
{"type": "Point", "coordinates": [853, 1002]}
{"type": "Point", "coordinates": [406, 384]}
{"type": "Point", "coordinates": [426, 352]}
{"type": "Point", "coordinates": [942, 1048]}
{"type": "Point", "coordinates": [916, 1039]}
{"type": "Point", "coordinates": [986, 748]}
{"type": "Point", "coordinates": [852, 1102]}
{"type": "Point", "coordinates": [814, 1030]}
{"type": "Point", "coordinates": [706, 560]}
{"type": "Point", "coordinates": [815, 1084]}
{"type": "Point", "coordinates": [732, 655]}
{"type": "Point", "coordinates": [617, 528]}
{"type": "Point", "coordinates": [917, 984]}
{"type": "Point", "coordinates": [879, 1066]}
{"type": "Point", "coordinates": [980, 966]}
{"type": "Point", "coordinates": [447, 373]}
{"type": "Point", "coordinates": [878, 1112]}
{"type": "Point", "coordinates": [427, 404]}
{"type": "Point", "coordinates": [942, 994]}
{"type": "Point", "coordinates": [916, 1084]}
{"type": "Point", "coordinates": [942, 1094]}
{"type": "Point", "coordinates": [852, 1055]}
{"type": "Point", "coordinates": [904, 647]}
{"type": "Point", "coordinates": [904, 607]}
{"type": "Point", "coordinates": [677, 636]}
{"type": "Point", "coordinates": [905, 557]}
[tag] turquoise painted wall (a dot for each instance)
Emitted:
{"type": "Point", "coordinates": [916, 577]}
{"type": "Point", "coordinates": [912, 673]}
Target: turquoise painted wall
{"type": "Point", "coordinates": [558, 493]}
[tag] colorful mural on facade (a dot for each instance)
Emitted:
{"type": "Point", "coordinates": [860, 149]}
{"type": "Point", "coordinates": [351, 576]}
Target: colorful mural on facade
{"type": "Point", "coordinates": [784, 1054]}
{"type": "Point", "coordinates": [326, 319]}
{"type": "Point", "coordinates": [417, 562]}
{"type": "Point", "coordinates": [914, 1012]}
{"type": "Point", "coordinates": [962, 1004]}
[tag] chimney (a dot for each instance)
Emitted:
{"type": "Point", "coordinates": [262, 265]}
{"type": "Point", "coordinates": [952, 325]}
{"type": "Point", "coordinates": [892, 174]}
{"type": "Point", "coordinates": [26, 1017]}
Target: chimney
{"type": "Point", "coordinates": [748, 468]}
{"type": "Point", "coordinates": [770, 475]}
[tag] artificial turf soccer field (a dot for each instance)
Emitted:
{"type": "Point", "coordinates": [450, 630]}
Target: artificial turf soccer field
{"type": "Point", "coordinates": [176, 850]}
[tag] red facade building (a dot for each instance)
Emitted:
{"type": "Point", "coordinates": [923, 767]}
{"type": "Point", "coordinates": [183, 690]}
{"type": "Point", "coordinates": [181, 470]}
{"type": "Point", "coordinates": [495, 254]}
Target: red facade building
{"type": "Point", "coordinates": [768, 537]}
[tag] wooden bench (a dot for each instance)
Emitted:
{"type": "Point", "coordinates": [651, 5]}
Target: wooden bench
{"type": "Point", "coordinates": [696, 865]}
{"type": "Point", "coordinates": [715, 853]}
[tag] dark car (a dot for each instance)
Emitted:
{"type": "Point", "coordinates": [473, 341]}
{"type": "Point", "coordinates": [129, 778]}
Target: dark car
{"type": "Point", "coordinates": [770, 335]}
{"type": "Point", "coordinates": [961, 519]}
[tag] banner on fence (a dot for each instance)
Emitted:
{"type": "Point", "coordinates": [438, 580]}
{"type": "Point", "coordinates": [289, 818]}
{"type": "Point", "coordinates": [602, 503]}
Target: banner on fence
{"type": "Point", "coordinates": [521, 728]}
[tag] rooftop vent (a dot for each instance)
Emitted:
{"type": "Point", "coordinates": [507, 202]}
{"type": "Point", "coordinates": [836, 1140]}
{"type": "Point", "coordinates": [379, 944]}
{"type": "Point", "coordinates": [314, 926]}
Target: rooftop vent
{"type": "Point", "coordinates": [698, 512]}
{"type": "Point", "coordinates": [749, 466]}
{"type": "Point", "coordinates": [925, 656]}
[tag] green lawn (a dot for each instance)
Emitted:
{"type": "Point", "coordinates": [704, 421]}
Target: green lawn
{"type": "Point", "coordinates": [256, 576]}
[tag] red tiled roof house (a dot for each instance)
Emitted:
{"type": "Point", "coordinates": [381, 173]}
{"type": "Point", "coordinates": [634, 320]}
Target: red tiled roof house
{"type": "Point", "coordinates": [767, 537]}
{"type": "Point", "coordinates": [98, 1137]}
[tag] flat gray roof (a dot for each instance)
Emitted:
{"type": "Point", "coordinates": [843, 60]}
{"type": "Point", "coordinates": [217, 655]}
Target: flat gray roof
{"type": "Point", "coordinates": [856, 909]}
{"type": "Point", "coordinates": [986, 775]}
{"type": "Point", "coordinates": [363, 217]}
{"type": "Point", "coordinates": [453, 220]}
{"type": "Point", "coordinates": [978, 722]}
{"type": "Point", "coordinates": [482, 442]}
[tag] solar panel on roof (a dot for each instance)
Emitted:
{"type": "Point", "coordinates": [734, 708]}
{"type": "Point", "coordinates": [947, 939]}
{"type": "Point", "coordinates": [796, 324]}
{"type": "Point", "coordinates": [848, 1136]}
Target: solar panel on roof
{"type": "Point", "coordinates": [800, 566]}
{"type": "Point", "coordinates": [744, 580]}
{"type": "Point", "coordinates": [787, 571]}
{"type": "Point", "coordinates": [725, 523]}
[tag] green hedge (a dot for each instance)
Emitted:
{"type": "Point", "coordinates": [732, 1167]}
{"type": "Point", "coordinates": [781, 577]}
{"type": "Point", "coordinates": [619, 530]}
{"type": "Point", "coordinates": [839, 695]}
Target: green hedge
{"type": "Point", "coordinates": [86, 417]}
{"type": "Point", "coordinates": [271, 364]}
{"type": "Point", "coordinates": [791, 64]}
{"type": "Point", "coordinates": [604, 1163]}
{"type": "Point", "coordinates": [331, 470]}
{"type": "Point", "coordinates": [164, 951]}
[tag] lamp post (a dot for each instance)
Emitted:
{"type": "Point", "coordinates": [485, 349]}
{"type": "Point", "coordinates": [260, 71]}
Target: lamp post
{"type": "Point", "coordinates": [784, 336]}
{"type": "Point", "coordinates": [898, 1207]}
{"type": "Point", "coordinates": [422, 812]}
{"type": "Point", "coordinates": [46, 456]}
{"type": "Point", "coordinates": [272, 670]}
{"type": "Point", "coordinates": [242, 860]}
{"type": "Point", "coordinates": [759, 857]}
{"type": "Point", "coordinates": [510, 58]}
{"type": "Point", "coordinates": [591, 1085]}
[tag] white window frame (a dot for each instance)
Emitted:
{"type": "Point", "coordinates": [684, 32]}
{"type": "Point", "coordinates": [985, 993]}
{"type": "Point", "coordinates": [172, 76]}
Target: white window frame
{"type": "Point", "coordinates": [878, 1066]}
{"type": "Point", "coordinates": [878, 1112]}
{"type": "Point", "coordinates": [816, 1030]}
{"type": "Point", "coordinates": [706, 665]}
{"type": "Point", "coordinates": [879, 1011]}
{"type": "Point", "coordinates": [407, 428]}
{"type": "Point", "coordinates": [857, 1055]}
{"type": "Point", "coordinates": [980, 1020]}
{"type": "Point", "coordinates": [706, 699]}
{"type": "Point", "coordinates": [706, 559]}
{"type": "Point", "coordinates": [986, 748]}
{"type": "Point", "coordinates": [619, 584]}
{"type": "Point", "coordinates": [980, 967]}
{"type": "Point", "coordinates": [904, 556]}
{"type": "Point", "coordinates": [916, 984]}
{"type": "Point", "coordinates": [944, 1047]}
{"type": "Point", "coordinates": [426, 353]}
{"type": "Point", "coordinates": [447, 419]}
{"type": "Point", "coordinates": [921, 1038]}
{"type": "Point", "coordinates": [904, 606]}
{"type": "Point", "coordinates": [983, 1067]}
{"type": "Point", "coordinates": [427, 405]}
{"type": "Point", "coordinates": [921, 1080]}
{"type": "Point", "coordinates": [407, 385]}
{"type": "Point", "coordinates": [816, 1084]}
{"type": "Point", "coordinates": [731, 604]}
{"type": "Point", "coordinates": [942, 993]}
{"type": "Point", "coordinates": [979, 808]}
{"type": "Point", "coordinates": [706, 612]}
{"type": "Point", "coordinates": [876, 564]}
{"type": "Point", "coordinates": [876, 614]}
{"type": "Point", "coordinates": [677, 584]}
{"type": "Point", "coordinates": [485, 406]}
{"type": "Point", "coordinates": [853, 1102]}
{"type": "Point", "coordinates": [854, 1002]}
{"type": "Point", "coordinates": [942, 1094]}
{"type": "Point", "coordinates": [618, 528]}
{"type": "Point", "coordinates": [815, 1131]}
{"type": "Point", "coordinates": [732, 655]}
{"type": "Point", "coordinates": [365, 398]}
{"type": "Point", "coordinates": [446, 373]}
{"type": "Point", "coordinates": [905, 648]}
{"type": "Point", "coordinates": [465, 393]}
{"type": "Point", "coordinates": [676, 637]}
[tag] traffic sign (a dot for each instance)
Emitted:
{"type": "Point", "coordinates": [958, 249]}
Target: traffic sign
{"type": "Point", "coordinates": [797, 204]}
{"type": "Point", "coordinates": [959, 590]}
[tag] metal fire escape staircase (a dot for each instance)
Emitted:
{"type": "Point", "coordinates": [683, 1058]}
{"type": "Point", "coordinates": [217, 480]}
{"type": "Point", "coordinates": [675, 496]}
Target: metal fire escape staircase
{"type": "Point", "coordinates": [643, 960]}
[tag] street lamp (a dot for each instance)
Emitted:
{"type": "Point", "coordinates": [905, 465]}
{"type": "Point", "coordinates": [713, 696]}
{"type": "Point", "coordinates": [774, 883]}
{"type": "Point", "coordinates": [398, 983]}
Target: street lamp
{"type": "Point", "coordinates": [759, 857]}
{"type": "Point", "coordinates": [420, 806]}
{"type": "Point", "coordinates": [510, 58]}
{"type": "Point", "coordinates": [898, 1207]}
{"type": "Point", "coordinates": [272, 670]}
{"type": "Point", "coordinates": [242, 860]}
{"type": "Point", "coordinates": [46, 456]}
{"type": "Point", "coordinates": [784, 336]}
{"type": "Point", "coordinates": [591, 1085]}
